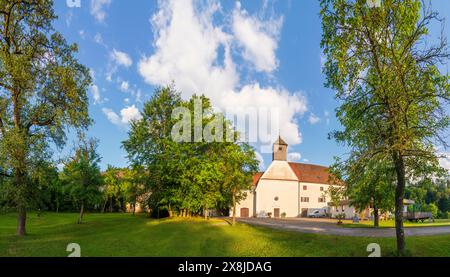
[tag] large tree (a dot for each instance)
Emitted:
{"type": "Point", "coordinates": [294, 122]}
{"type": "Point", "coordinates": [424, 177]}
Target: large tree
{"type": "Point", "coordinates": [42, 92]}
{"type": "Point", "coordinates": [189, 176]}
{"type": "Point", "coordinates": [384, 69]}
{"type": "Point", "coordinates": [81, 176]}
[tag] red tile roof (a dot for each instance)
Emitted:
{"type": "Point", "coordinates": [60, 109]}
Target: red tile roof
{"type": "Point", "coordinates": [256, 178]}
{"type": "Point", "coordinates": [310, 173]}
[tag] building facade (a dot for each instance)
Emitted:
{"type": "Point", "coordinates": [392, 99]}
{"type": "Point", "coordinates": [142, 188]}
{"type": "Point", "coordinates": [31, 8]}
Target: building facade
{"type": "Point", "coordinates": [286, 189]}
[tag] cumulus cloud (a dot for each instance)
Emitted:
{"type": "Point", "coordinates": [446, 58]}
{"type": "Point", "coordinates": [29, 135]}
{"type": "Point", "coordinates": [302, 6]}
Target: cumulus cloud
{"type": "Point", "coordinates": [121, 58]}
{"type": "Point", "coordinates": [294, 156]}
{"type": "Point", "coordinates": [313, 119]}
{"type": "Point", "coordinates": [258, 38]}
{"type": "Point", "coordinates": [186, 51]}
{"type": "Point", "coordinates": [127, 115]}
{"type": "Point", "coordinates": [98, 9]}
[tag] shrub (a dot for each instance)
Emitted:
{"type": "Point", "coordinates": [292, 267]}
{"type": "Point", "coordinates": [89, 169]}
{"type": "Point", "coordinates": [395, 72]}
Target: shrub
{"type": "Point", "coordinates": [269, 214]}
{"type": "Point", "coordinates": [431, 208]}
{"type": "Point", "coordinates": [283, 214]}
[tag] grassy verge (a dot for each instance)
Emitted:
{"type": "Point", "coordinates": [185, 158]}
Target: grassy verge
{"type": "Point", "coordinates": [125, 235]}
{"type": "Point", "coordinates": [391, 224]}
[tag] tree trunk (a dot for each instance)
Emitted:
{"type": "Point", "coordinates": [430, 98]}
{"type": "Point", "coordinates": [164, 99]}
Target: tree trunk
{"type": "Point", "coordinates": [110, 205]}
{"type": "Point", "coordinates": [21, 221]}
{"type": "Point", "coordinates": [205, 213]}
{"type": "Point", "coordinates": [134, 208]}
{"type": "Point", "coordinates": [104, 206]}
{"type": "Point", "coordinates": [399, 193]}
{"type": "Point", "coordinates": [80, 219]}
{"type": "Point", "coordinates": [170, 211]}
{"type": "Point", "coordinates": [376, 216]}
{"type": "Point", "coordinates": [234, 209]}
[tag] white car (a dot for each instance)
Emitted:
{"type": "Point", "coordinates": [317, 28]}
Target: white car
{"type": "Point", "coordinates": [317, 213]}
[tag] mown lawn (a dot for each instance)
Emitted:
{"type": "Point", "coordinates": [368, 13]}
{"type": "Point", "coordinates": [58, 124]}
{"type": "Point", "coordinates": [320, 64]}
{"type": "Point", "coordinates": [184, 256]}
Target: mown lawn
{"type": "Point", "coordinates": [391, 224]}
{"type": "Point", "coordinates": [126, 235]}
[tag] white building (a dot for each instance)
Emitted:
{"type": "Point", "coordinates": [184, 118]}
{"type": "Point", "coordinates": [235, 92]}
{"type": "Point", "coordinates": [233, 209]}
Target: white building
{"type": "Point", "coordinates": [285, 188]}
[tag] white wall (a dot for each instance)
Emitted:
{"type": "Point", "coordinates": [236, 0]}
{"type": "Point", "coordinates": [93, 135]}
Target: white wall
{"type": "Point", "coordinates": [348, 210]}
{"type": "Point", "coordinates": [287, 193]}
{"type": "Point", "coordinates": [313, 192]}
{"type": "Point", "coordinates": [245, 203]}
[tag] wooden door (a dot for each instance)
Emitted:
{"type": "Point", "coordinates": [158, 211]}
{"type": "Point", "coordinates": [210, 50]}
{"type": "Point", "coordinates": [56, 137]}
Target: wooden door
{"type": "Point", "coordinates": [276, 212]}
{"type": "Point", "coordinates": [304, 212]}
{"type": "Point", "coordinates": [244, 212]}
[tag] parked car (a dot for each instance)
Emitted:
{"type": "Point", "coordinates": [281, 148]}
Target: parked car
{"type": "Point", "coordinates": [316, 213]}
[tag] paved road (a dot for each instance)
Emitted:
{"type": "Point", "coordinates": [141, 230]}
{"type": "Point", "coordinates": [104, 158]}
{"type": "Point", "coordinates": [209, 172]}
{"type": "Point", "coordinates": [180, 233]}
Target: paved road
{"type": "Point", "coordinates": [324, 226]}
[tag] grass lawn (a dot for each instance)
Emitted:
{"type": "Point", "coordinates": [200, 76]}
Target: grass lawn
{"type": "Point", "coordinates": [126, 235]}
{"type": "Point", "coordinates": [391, 224]}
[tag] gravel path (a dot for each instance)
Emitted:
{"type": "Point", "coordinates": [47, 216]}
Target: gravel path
{"type": "Point", "coordinates": [329, 227]}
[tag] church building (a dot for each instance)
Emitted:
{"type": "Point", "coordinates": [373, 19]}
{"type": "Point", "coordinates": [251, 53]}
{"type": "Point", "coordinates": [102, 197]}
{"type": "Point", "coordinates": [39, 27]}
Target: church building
{"type": "Point", "coordinates": [286, 189]}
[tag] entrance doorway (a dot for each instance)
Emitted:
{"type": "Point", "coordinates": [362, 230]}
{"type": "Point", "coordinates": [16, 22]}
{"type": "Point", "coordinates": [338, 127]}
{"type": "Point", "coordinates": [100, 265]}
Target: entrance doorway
{"type": "Point", "coordinates": [304, 212]}
{"type": "Point", "coordinates": [244, 212]}
{"type": "Point", "coordinates": [276, 212]}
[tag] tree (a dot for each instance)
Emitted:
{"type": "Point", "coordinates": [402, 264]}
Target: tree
{"type": "Point", "coordinates": [371, 184]}
{"type": "Point", "coordinates": [337, 195]}
{"type": "Point", "coordinates": [42, 91]}
{"type": "Point", "coordinates": [135, 183]}
{"type": "Point", "coordinates": [241, 165]}
{"type": "Point", "coordinates": [113, 187]}
{"type": "Point", "coordinates": [189, 176]}
{"type": "Point", "coordinates": [391, 91]}
{"type": "Point", "coordinates": [82, 177]}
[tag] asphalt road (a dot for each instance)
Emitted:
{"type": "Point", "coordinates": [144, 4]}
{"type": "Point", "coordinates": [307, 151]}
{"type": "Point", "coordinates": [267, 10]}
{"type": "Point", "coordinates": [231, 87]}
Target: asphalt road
{"type": "Point", "coordinates": [329, 227]}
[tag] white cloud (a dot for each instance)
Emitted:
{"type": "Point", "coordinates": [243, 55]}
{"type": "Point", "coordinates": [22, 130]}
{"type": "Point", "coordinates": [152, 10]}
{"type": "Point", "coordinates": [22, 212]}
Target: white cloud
{"type": "Point", "coordinates": [82, 34]}
{"type": "Point", "coordinates": [187, 45]}
{"type": "Point", "coordinates": [295, 156]}
{"type": "Point", "coordinates": [445, 161]}
{"type": "Point", "coordinates": [127, 115]}
{"type": "Point", "coordinates": [98, 38]}
{"type": "Point", "coordinates": [313, 119]}
{"type": "Point", "coordinates": [121, 58]}
{"type": "Point", "coordinates": [258, 38]}
{"type": "Point", "coordinates": [98, 9]}
{"type": "Point", "coordinates": [112, 116]}
{"type": "Point", "coordinates": [96, 94]}
{"type": "Point", "coordinates": [124, 86]}
{"type": "Point", "coordinates": [259, 157]}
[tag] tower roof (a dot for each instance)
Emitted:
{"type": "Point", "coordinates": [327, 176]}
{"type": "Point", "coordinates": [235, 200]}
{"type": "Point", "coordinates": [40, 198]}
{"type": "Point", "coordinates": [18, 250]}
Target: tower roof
{"type": "Point", "coordinates": [280, 141]}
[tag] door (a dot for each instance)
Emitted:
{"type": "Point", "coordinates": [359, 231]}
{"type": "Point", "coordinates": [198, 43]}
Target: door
{"type": "Point", "coordinates": [244, 212]}
{"type": "Point", "coordinates": [304, 212]}
{"type": "Point", "coordinates": [276, 212]}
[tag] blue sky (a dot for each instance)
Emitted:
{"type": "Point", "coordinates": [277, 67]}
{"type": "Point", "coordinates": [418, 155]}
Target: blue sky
{"type": "Point", "coordinates": [248, 53]}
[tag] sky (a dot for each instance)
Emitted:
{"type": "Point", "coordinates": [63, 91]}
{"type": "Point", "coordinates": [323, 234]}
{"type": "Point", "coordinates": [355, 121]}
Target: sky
{"type": "Point", "coordinates": [247, 54]}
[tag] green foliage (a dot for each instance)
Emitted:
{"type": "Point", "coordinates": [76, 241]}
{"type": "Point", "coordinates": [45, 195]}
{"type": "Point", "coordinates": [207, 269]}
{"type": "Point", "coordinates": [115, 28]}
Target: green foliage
{"type": "Point", "coordinates": [81, 176]}
{"type": "Point", "coordinates": [431, 208]}
{"type": "Point", "coordinates": [42, 93]}
{"type": "Point", "coordinates": [391, 91]}
{"type": "Point", "coordinates": [188, 177]}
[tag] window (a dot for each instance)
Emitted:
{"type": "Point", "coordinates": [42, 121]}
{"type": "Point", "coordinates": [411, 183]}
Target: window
{"type": "Point", "coordinates": [276, 198]}
{"type": "Point", "coordinates": [321, 188]}
{"type": "Point", "coordinates": [321, 199]}
{"type": "Point", "coordinates": [305, 187]}
{"type": "Point", "coordinates": [304, 199]}
{"type": "Point", "coordinates": [280, 148]}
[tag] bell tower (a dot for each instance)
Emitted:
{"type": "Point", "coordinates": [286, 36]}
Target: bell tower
{"type": "Point", "coordinates": [279, 150]}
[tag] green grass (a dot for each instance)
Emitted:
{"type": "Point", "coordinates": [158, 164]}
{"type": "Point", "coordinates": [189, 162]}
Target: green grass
{"type": "Point", "coordinates": [126, 235]}
{"type": "Point", "coordinates": [391, 224]}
